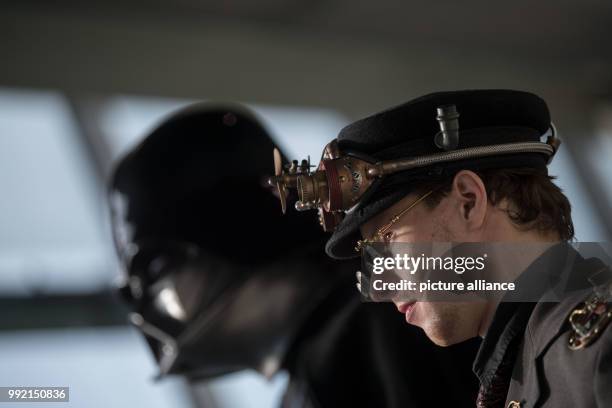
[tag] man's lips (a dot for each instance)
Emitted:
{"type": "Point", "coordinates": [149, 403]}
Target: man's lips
{"type": "Point", "coordinates": [405, 307]}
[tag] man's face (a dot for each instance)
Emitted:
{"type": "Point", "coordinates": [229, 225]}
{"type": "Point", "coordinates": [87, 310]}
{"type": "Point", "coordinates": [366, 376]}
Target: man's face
{"type": "Point", "coordinates": [445, 323]}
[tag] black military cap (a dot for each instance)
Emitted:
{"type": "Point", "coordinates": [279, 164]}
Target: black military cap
{"type": "Point", "coordinates": [485, 118]}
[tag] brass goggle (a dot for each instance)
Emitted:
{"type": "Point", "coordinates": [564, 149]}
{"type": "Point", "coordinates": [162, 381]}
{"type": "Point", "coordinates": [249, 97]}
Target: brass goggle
{"type": "Point", "coordinates": [342, 178]}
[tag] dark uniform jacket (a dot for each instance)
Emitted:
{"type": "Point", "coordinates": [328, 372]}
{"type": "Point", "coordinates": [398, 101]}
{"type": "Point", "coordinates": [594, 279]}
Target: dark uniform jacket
{"type": "Point", "coordinates": [526, 359]}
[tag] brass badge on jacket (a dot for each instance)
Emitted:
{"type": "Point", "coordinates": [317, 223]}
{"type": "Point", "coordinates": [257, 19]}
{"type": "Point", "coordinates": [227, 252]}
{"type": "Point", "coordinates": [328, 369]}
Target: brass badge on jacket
{"type": "Point", "coordinates": [588, 321]}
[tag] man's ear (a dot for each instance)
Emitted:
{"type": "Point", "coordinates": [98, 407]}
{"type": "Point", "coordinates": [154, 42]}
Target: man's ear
{"type": "Point", "coordinates": [469, 192]}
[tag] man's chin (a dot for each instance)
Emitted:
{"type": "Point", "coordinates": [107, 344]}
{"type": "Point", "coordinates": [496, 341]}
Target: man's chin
{"type": "Point", "coordinates": [443, 342]}
{"type": "Point", "coordinates": [443, 338]}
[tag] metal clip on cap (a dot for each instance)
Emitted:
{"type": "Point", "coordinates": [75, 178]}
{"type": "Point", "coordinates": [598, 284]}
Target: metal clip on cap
{"type": "Point", "coordinates": [553, 141]}
{"type": "Point", "coordinates": [448, 136]}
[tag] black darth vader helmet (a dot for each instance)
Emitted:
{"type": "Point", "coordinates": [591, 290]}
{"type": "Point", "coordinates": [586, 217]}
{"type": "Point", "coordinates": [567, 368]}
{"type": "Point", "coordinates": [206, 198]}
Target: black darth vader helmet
{"type": "Point", "coordinates": [216, 278]}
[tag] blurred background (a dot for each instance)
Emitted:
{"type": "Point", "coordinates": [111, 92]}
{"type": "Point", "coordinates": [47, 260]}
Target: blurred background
{"type": "Point", "coordinates": [82, 82]}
